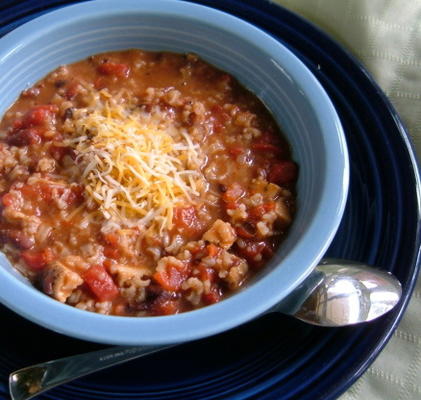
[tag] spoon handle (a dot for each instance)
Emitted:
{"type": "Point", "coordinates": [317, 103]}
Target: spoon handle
{"type": "Point", "coordinates": [31, 381]}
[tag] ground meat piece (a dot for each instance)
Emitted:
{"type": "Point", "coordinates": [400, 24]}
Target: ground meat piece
{"type": "Point", "coordinates": [174, 98]}
{"type": "Point", "coordinates": [221, 233]}
{"type": "Point", "coordinates": [12, 215]}
{"type": "Point", "coordinates": [238, 214]}
{"type": "Point", "coordinates": [103, 307]}
{"type": "Point", "coordinates": [131, 280]}
{"type": "Point", "coordinates": [237, 274]}
{"type": "Point", "coordinates": [283, 213]}
{"type": "Point", "coordinates": [75, 263]}
{"type": "Point", "coordinates": [8, 158]}
{"type": "Point", "coordinates": [19, 173]}
{"type": "Point", "coordinates": [164, 261]}
{"type": "Point", "coordinates": [60, 282]}
{"type": "Point", "coordinates": [175, 245]}
{"type": "Point", "coordinates": [17, 238]}
{"type": "Point", "coordinates": [231, 268]}
{"type": "Point", "coordinates": [263, 230]}
{"type": "Point", "coordinates": [31, 92]}
{"type": "Point", "coordinates": [195, 287]}
{"type": "Point", "coordinates": [46, 165]}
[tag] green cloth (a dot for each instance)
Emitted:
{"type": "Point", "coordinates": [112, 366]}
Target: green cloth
{"type": "Point", "coordinates": [385, 35]}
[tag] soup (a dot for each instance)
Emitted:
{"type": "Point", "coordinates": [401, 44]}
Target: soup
{"type": "Point", "coordinates": [142, 183]}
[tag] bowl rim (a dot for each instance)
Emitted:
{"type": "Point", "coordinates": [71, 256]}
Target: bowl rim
{"type": "Point", "coordinates": [233, 311]}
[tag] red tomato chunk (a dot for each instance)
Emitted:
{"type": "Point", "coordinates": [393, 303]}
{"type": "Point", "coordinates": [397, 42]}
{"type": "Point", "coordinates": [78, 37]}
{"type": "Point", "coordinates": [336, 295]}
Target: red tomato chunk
{"type": "Point", "coordinates": [100, 283]}
{"type": "Point", "coordinates": [185, 219]}
{"type": "Point", "coordinates": [117, 69]}
{"type": "Point", "coordinates": [24, 137]}
{"type": "Point", "coordinates": [214, 296]}
{"type": "Point", "coordinates": [283, 173]}
{"type": "Point", "coordinates": [233, 193]}
{"type": "Point", "coordinates": [166, 304]}
{"type": "Point", "coordinates": [173, 277]}
{"type": "Point", "coordinates": [39, 115]}
{"type": "Point", "coordinates": [37, 260]}
{"type": "Point", "coordinates": [267, 147]}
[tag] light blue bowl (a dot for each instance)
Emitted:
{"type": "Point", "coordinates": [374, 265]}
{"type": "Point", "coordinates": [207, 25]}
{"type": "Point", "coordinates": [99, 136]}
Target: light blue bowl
{"type": "Point", "coordinates": [294, 96]}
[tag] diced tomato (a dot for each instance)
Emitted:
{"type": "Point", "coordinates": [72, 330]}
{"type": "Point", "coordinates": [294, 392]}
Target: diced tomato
{"type": "Point", "coordinates": [24, 137]}
{"type": "Point", "coordinates": [111, 252]}
{"type": "Point", "coordinates": [197, 249]}
{"type": "Point", "coordinates": [111, 68]}
{"type": "Point", "coordinates": [37, 260]}
{"type": "Point", "coordinates": [166, 305]}
{"type": "Point", "coordinates": [8, 200]}
{"type": "Point", "coordinates": [72, 90]}
{"type": "Point", "coordinates": [231, 205]}
{"type": "Point", "coordinates": [283, 172]}
{"type": "Point", "coordinates": [243, 232]}
{"type": "Point", "coordinates": [48, 254]}
{"type": "Point", "coordinates": [42, 190]}
{"type": "Point", "coordinates": [74, 194]}
{"type": "Point", "coordinates": [100, 83]}
{"type": "Point", "coordinates": [220, 117]}
{"type": "Point", "coordinates": [256, 213]}
{"type": "Point", "coordinates": [235, 151]}
{"type": "Point", "coordinates": [17, 124]}
{"type": "Point", "coordinates": [220, 112]}
{"type": "Point", "coordinates": [213, 250]}
{"type": "Point", "coordinates": [39, 115]}
{"type": "Point", "coordinates": [112, 239]}
{"type": "Point", "coordinates": [251, 249]}
{"type": "Point", "coordinates": [100, 283]}
{"type": "Point", "coordinates": [206, 273]}
{"type": "Point", "coordinates": [29, 191]}
{"type": "Point", "coordinates": [58, 152]}
{"type": "Point", "coordinates": [268, 136]}
{"type": "Point", "coordinates": [214, 296]}
{"type": "Point", "coordinates": [186, 220]}
{"type": "Point", "coordinates": [233, 193]}
{"type": "Point", "coordinates": [46, 191]}
{"type": "Point", "coordinates": [172, 277]}
{"type": "Point", "coordinates": [107, 265]}
{"type": "Point", "coordinates": [267, 148]}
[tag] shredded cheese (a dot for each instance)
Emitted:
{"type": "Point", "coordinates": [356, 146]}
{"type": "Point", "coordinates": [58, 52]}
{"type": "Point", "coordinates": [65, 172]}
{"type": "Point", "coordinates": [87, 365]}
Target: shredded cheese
{"type": "Point", "coordinates": [134, 165]}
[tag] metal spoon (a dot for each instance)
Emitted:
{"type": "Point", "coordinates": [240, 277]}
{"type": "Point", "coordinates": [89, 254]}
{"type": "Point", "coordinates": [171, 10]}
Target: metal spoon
{"type": "Point", "coordinates": [337, 293]}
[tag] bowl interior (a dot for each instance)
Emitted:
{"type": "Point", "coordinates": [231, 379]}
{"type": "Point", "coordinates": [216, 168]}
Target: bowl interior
{"type": "Point", "coordinates": [273, 73]}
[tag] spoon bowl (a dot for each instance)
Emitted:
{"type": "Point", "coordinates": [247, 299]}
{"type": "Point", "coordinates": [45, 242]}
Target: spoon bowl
{"type": "Point", "coordinates": [349, 294]}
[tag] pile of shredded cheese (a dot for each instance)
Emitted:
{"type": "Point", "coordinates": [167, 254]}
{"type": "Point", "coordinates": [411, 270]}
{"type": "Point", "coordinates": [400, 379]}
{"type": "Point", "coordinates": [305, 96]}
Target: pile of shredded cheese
{"type": "Point", "coordinates": [136, 166]}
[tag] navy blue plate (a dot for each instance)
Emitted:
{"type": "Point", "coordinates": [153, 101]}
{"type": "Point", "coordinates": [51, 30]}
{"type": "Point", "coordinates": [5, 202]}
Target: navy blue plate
{"type": "Point", "coordinates": [275, 357]}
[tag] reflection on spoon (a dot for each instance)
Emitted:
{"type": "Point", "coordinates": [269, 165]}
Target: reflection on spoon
{"type": "Point", "coordinates": [337, 293]}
